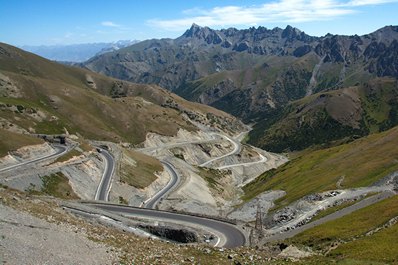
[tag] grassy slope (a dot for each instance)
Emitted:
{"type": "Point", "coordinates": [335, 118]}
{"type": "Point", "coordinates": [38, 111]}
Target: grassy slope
{"type": "Point", "coordinates": [90, 113]}
{"type": "Point", "coordinates": [65, 93]}
{"type": "Point", "coordinates": [12, 141]}
{"type": "Point", "coordinates": [330, 116]}
{"type": "Point", "coordinates": [381, 246]}
{"type": "Point", "coordinates": [138, 170]}
{"type": "Point", "coordinates": [68, 156]}
{"type": "Point", "coordinates": [361, 162]}
{"type": "Point", "coordinates": [57, 185]}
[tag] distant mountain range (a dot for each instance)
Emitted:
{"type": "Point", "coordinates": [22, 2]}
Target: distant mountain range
{"type": "Point", "coordinates": [77, 52]}
{"type": "Point", "coordinates": [256, 73]}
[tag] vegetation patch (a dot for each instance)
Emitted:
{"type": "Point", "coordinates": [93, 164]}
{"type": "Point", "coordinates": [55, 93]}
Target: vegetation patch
{"type": "Point", "coordinates": [212, 177]}
{"type": "Point", "coordinates": [57, 185]}
{"type": "Point", "coordinates": [12, 141]}
{"type": "Point", "coordinates": [350, 233]}
{"type": "Point", "coordinates": [69, 155]}
{"type": "Point", "coordinates": [333, 209]}
{"type": "Point", "coordinates": [362, 162]}
{"type": "Point", "coordinates": [122, 200]}
{"type": "Point", "coordinates": [137, 169]}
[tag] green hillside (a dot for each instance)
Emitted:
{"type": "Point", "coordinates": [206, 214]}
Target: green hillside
{"type": "Point", "coordinates": [361, 162]}
{"type": "Point", "coordinates": [324, 118]}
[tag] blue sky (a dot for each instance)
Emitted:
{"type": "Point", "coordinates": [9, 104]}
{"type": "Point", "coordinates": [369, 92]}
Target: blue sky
{"type": "Point", "coordinates": [37, 22]}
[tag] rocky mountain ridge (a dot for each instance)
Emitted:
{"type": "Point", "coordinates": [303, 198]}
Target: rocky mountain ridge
{"type": "Point", "coordinates": [255, 73]}
{"type": "Point", "coordinates": [265, 68]}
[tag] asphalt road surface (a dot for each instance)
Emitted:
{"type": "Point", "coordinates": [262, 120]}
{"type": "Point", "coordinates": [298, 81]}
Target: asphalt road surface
{"type": "Point", "coordinates": [232, 236]}
{"type": "Point", "coordinates": [61, 149]}
{"type": "Point", "coordinates": [236, 150]}
{"type": "Point", "coordinates": [103, 189]}
{"type": "Point", "coordinates": [338, 214]}
{"type": "Point", "coordinates": [151, 203]}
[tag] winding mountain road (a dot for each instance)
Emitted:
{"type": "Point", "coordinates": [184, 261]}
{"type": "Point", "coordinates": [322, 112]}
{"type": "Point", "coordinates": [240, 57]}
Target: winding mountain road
{"type": "Point", "coordinates": [236, 150]}
{"type": "Point", "coordinates": [61, 149]}
{"type": "Point", "coordinates": [230, 236]}
{"type": "Point", "coordinates": [174, 180]}
{"type": "Point", "coordinates": [263, 159]}
{"type": "Point", "coordinates": [104, 187]}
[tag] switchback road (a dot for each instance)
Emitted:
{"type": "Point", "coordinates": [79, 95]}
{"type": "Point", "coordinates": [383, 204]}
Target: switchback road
{"type": "Point", "coordinates": [104, 187]}
{"type": "Point", "coordinates": [151, 203]}
{"type": "Point", "coordinates": [60, 150]}
{"type": "Point", "coordinates": [230, 236]}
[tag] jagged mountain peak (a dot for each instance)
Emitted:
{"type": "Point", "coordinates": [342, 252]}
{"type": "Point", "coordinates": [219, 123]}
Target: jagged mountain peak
{"type": "Point", "coordinates": [196, 31]}
{"type": "Point", "coordinates": [203, 33]}
{"type": "Point", "coordinates": [201, 64]}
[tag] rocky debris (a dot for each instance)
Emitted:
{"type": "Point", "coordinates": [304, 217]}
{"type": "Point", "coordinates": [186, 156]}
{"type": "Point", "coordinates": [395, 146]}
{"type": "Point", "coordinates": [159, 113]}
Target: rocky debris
{"type": "Point", "coordinates": [156, 142]}
{"type": "Point", "coordinates": [390, 222]}
{"type": "Point", "coordinates": [293, 253]}
{"type": "Point", "coordinates": [247, 212]}
{"type": "Point", "coordinates": [284, 216]}
{"type": "Point", "coordinates": [84, 171]}
{"type": "Point", "coordinates": [90, 81]}
{"type": "Point", "coordinates": [389, 180]}
{"type": "Point", "coordinates": [8, 88]}
{"type": "Point", "coordinates": [34, 151]}
{"type": "Point", "coordinates": [302, 211]}
{"type": "Point", "coordinates": [321, 196]}
{"type": "Point", "coordinates": [84, 176]}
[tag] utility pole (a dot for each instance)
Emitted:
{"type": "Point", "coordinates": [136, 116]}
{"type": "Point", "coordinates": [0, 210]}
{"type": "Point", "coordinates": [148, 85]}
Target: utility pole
{"type": "Point", "coordinates": [259, 221]}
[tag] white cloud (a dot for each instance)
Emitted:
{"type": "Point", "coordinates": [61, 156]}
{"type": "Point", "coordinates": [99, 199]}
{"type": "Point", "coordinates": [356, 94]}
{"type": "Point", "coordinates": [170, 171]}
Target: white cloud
{"type": "Point", "coordinates": [272, 12]}
{"type": "Point", "coordinates": [370, 2]}
{"type": "Point", "coordinates": [110, 24]}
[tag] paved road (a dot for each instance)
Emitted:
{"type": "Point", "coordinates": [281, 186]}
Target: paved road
{"type": "Point", "coordinates": [104, 187]}
{"type": "Point", "coordinates": [61, 149]}
{"type": "Point", "coordinates": [174, 180]}
{"type": "Point", "coordinates": [236, 150]}
{"type": "Point", "coordinates": [169, 146]}
{"type": "Point", "coordinates": [231, 235]}
{"type": "Point", "coordinates": [338, 214]}
{"type": "Point", "coordinates": [263, 159]}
